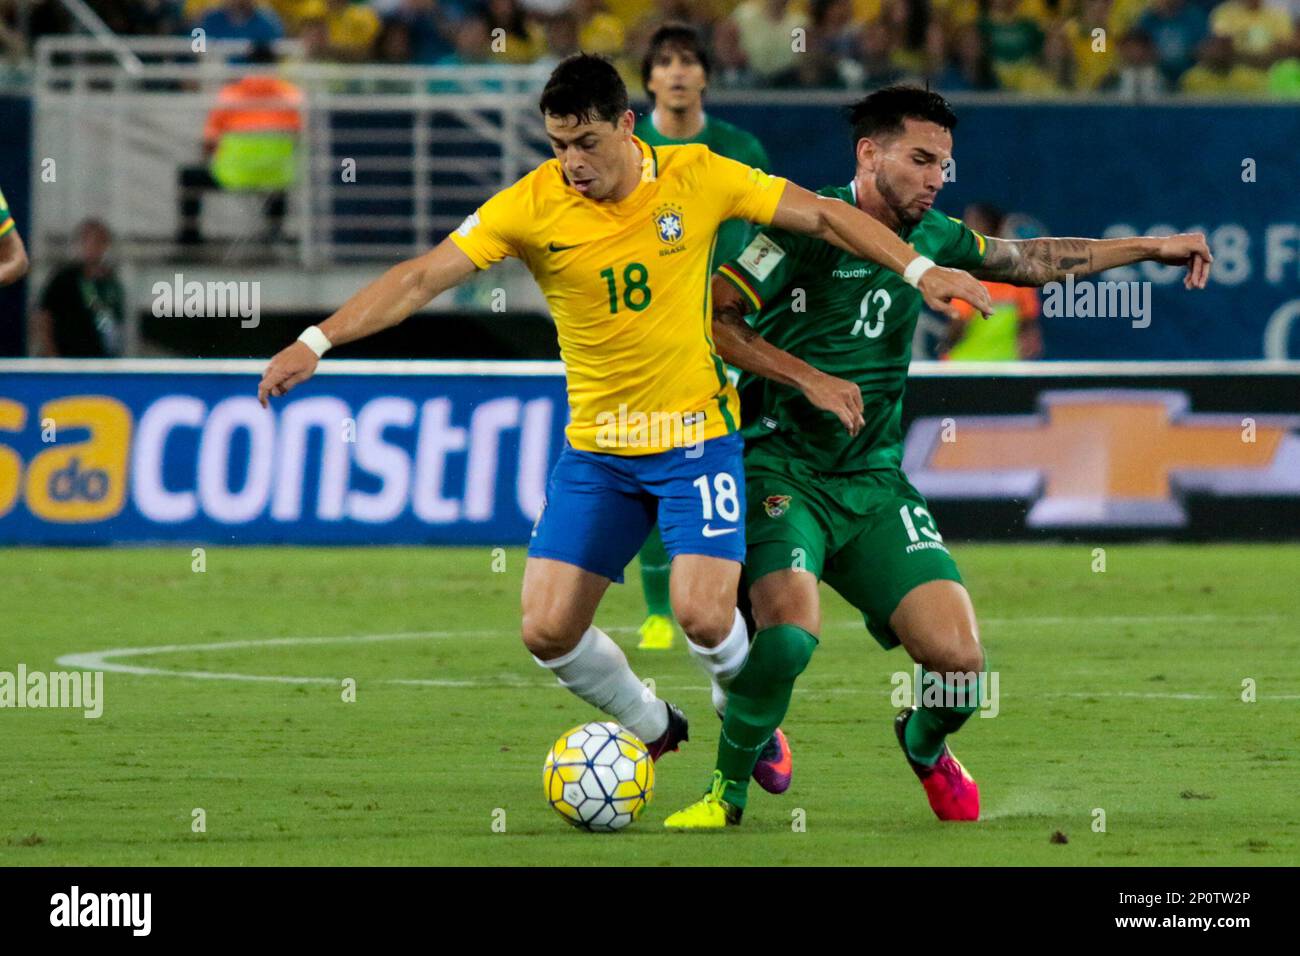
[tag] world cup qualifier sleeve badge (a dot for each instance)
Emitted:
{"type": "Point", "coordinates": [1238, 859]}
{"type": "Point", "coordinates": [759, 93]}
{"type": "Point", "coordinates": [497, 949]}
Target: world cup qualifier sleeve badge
{"type": "Point", "coordinates": [776, 505]}
{"type": "Point", "coordinates": [669, 224]}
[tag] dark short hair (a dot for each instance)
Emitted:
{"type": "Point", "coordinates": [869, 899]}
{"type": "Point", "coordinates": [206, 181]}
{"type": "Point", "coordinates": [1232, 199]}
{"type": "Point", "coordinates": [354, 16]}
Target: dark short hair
{"type": "Point", "coordinates": [882, 113]}
{"type": "Point", "coordinates": [586, 86]}
{"type": "Point", "coordinates": [262, 54]}
{"type": "Point", "coordinates": [678, 36]}
{"type": "Point", "coordinates": [92, 224]}
{"type": "Point", "coordinates": [818, 9]}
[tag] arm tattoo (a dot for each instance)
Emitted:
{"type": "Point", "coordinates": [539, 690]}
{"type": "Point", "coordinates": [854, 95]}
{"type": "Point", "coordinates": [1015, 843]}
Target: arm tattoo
{"type": "Point", "coordinates": [1034, 261]}
{"type": "Point", "coordinates": [729, 314]}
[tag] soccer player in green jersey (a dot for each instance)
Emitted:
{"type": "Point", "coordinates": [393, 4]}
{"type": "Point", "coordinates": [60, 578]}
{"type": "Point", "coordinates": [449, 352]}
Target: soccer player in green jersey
{"type": "Point", "coordinates": [825, 503]}
{"type": "Point", "coordinates": [675, 74]}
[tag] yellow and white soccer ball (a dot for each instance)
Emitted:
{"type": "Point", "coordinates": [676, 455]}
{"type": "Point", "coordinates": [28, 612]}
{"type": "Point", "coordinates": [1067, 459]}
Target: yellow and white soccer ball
{"type": "Point", "coordinates": [599, 776]}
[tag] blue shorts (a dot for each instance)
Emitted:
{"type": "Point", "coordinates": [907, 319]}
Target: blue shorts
{"type": "Point", "coordinates": [599, 507]}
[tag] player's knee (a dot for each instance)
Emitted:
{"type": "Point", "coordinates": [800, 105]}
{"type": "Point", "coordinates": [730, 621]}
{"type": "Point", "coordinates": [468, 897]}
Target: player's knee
{"type": "Point", "coordinates": [786, 605]}
{"type": "Point", "coordinates": [784, 649]}
{"type": "Point", "coordinates": [792, 611]}
{"type": "Point", "coordinates": [705, 625]}
{"type": "Point", "coordinates": [546, 635]}
{"type": "Point", "coordinates": [957, 651]}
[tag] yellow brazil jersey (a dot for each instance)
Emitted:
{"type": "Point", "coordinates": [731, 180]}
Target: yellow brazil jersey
{"type": "Point", "coordinates": [6, 220]}
{"type": "Point", "coordinates": [628, 285]}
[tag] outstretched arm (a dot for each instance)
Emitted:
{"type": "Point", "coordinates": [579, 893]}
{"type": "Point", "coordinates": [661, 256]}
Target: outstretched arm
{"type": "Point", "coordinates": [849, 228]}
{"type": "Point", "coordinates": [388, 300]}
{"type": "Point", "coordinates": [740, 345]}
{"type": "Point", "coordinates": [1039, 261]}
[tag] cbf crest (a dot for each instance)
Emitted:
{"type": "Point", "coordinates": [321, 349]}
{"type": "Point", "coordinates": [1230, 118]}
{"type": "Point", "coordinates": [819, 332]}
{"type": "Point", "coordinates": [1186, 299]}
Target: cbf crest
{"type": "Point", "coordinates": [669, 224]}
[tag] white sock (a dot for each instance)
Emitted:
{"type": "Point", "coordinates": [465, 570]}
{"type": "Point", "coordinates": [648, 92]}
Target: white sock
{"type": "Point", "coordinates": [723, 663]}
{"type": "Point", "coordinates": [596, 670]}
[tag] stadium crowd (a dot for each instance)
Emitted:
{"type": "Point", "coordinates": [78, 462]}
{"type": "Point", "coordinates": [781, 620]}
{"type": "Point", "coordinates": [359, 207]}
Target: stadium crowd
{"type": "Point", "coordinates": [1131, 48]}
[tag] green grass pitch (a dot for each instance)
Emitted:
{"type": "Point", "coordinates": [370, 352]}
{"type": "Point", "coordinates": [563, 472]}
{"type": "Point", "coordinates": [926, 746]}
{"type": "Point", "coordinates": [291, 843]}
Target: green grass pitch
{"type": "Point", "coordinates": [1120, 692]}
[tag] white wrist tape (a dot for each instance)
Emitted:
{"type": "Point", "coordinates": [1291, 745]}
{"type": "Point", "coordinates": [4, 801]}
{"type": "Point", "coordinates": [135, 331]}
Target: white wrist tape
{"type": "Point", "coordinates": [315, 339]}
{"type": "Point", "coordinates": [915, 269]}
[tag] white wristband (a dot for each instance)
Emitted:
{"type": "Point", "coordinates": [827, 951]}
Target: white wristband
{"type": "Point", "coordinates": [315, 339]}
{"type": "Point", "coordinates": [915, 269]}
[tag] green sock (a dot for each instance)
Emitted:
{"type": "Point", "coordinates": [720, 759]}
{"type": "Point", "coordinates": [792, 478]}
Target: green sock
{"type": "Point", "coordinates": [655, 569]}
{"type": "Point", "coordinates": [927, 728]}
{"type": "Point", "coordinates": [757, 701]}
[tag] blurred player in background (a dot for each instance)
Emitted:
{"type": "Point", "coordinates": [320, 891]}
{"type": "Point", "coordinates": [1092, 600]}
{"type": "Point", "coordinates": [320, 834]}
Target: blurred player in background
{"type": "Point", "coordinates": [249, 142]}
{"type": "Point", "coordinates": [675, 74]}
{"type": "Point", "coordinates": [13, 255]}
{"type": "Point", "coordinates": [835, 505]}
{"type": "Point", "coordinates": [1012, 331]}
{"type": "Point", "coordinates": [81, 312]}
{"type": "Point", "coordinates": [618, 235]}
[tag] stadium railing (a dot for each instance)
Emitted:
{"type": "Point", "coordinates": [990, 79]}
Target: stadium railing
{"type": "Point", "coordinates": [429, 142]}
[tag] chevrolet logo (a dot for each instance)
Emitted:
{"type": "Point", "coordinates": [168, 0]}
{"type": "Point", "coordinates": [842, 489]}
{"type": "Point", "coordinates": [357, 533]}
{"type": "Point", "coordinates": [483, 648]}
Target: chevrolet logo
{"type": "Point", "coordinates": [1105, 457]}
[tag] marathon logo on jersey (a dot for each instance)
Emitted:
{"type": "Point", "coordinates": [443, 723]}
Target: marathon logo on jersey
{"type": "Point", "coordinates": [1106, 458]}
{"type": "Point", "coordinates": [776, 505]}
{"type": "Point", "coordinates": [669, 224]}
{"type": "Point", "coordinates": [761, 257]}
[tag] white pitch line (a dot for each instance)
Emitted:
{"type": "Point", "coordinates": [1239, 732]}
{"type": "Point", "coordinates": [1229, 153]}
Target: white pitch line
{"type": "Point", "coordinates": [102, 660]}
{"type": "Point", "coordinates": [1136, 619]}
{"type": "Point", "coordinates": [106, 661]}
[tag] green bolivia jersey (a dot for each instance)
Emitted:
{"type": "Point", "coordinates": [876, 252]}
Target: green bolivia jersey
{"type": "Point", "coordinates": [725, 140]}
{"type": "Point", "coordinates": [847, 317]}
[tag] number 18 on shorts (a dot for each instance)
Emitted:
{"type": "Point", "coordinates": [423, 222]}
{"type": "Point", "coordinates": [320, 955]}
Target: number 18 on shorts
{"type": "Point", "coordinates": [600, 507]}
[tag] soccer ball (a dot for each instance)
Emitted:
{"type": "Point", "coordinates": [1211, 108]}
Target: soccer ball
{"type": "Point", "coordinates": [599, 776]}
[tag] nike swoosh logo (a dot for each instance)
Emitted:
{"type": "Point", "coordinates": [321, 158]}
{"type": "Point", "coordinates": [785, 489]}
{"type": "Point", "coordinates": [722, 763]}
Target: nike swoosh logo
{"type": "Point", "coordinates": [714, 532]}
{"type": "Point", "coordinates": [553, 247]}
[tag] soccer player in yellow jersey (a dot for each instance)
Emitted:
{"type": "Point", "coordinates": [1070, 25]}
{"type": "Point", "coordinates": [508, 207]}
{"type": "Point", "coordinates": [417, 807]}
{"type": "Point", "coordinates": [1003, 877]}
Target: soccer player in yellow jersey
{"type": "Point", "coordinates": [619, 236]}
{"type": "Point", "coordinates": [13, 257]}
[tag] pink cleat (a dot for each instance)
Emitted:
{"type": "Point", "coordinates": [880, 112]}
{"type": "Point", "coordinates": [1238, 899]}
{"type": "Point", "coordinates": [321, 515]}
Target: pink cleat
{"type": "Point", "coordinates": [775, 765]}
{"type": "Point", "coordinates": [952, 792]}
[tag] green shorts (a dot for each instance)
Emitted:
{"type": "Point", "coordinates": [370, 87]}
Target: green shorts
{"type": "Point", "coordinates": [868, 535]}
